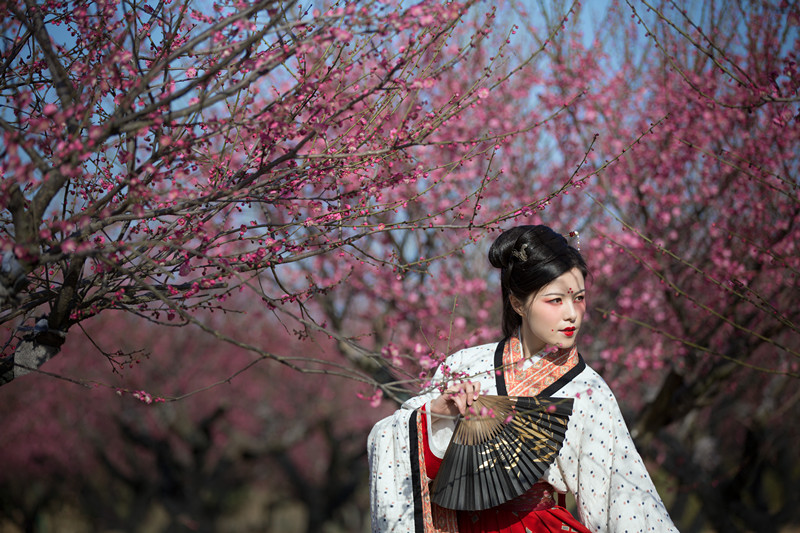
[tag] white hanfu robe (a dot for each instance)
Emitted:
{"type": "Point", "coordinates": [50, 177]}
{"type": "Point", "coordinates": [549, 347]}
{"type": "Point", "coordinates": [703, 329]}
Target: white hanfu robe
{"type": "Point", "coordinates": [598, 462]}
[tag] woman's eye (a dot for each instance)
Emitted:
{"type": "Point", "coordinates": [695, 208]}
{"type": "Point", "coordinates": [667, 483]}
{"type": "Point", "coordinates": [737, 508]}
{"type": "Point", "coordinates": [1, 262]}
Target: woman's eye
{"type": "Point", "coordinates": [555, 301]}
{"type": "Point", "coordinates": [580, 298]}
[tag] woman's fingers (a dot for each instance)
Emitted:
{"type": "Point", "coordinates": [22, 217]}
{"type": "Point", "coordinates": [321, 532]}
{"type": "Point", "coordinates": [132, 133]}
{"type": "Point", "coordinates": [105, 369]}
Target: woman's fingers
{"type": "Point", "coordinates": [460, 399]}
{"type": "Point", "coordinates": [463, 395]}
{"type": "Point", "coordinates": [473, 390]}
{"type": "Point", "coordinates": [456, 399]}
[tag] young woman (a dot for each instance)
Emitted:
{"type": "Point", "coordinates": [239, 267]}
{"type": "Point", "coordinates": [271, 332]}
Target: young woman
{"type": "Point", "coordinates": [543, 291]}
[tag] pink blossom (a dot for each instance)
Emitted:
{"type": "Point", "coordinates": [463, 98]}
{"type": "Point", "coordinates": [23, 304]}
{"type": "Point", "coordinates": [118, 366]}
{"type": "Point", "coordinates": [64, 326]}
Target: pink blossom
{"type": "Point", "coordinates": [341, 35]}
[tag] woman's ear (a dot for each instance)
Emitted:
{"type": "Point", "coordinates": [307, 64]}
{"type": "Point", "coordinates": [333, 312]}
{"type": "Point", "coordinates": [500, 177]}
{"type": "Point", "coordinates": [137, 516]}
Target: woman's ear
{"type": "Point", "coordinates": [516, 305]}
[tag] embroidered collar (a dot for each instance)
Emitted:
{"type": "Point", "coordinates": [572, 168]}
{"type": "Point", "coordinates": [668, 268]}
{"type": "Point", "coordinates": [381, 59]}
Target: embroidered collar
{"type": "Point", "coordinates": [529, 377]}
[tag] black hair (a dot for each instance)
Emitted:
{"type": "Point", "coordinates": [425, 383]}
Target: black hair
{"type": "Point", "coordinates": [530, 257]}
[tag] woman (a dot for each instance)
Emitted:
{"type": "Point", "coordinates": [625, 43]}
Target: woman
{"type": "Point", "coordinates": [543, 291]}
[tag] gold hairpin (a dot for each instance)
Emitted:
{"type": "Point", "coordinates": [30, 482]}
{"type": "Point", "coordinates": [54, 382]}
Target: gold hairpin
{"type": "Point", "coordinates": [520, 254]}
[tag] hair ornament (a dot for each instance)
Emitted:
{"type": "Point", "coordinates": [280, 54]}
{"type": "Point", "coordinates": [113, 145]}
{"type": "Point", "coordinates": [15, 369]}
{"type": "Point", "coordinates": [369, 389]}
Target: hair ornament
{"type": "Point", "coordinates": [574, 234]}
{"type": "Point", "coordinates": [520, 254]}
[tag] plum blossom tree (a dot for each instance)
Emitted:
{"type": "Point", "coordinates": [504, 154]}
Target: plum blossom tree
{"type": "Point", "coordinates": [695, 230]}
{"type": "Point", "coordinates": [339, 166]}
{"type": "Point", "coordinates": [161, 157]}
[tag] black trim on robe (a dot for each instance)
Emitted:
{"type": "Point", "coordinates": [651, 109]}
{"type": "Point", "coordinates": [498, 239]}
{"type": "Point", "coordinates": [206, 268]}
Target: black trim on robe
{"type": "Point", "coordinates": [566, 378]}
{"type": "Point", "coordinates": [499, 369]}
{"type": "Point", "coordinates": [416, 480]}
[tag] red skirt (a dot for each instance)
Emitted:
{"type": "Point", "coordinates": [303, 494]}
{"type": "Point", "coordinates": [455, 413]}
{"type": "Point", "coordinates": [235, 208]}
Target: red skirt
{"type": "Point", "coordinates": [533, 512]}
{"type": "Point", "coordinates": [555, 519]}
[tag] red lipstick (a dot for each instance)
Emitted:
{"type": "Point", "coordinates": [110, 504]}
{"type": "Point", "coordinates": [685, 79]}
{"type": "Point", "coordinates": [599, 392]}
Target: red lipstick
{"type": "Point", "coordinates": [569, 332]}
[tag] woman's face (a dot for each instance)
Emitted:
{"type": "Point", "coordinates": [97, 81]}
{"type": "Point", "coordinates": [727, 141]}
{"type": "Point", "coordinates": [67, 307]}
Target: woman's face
{"type": "Point", "coordinates": [553, 316]}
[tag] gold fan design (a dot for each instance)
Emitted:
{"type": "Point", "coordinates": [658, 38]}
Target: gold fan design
{"type": "Point", "coordinates": [499, 450]}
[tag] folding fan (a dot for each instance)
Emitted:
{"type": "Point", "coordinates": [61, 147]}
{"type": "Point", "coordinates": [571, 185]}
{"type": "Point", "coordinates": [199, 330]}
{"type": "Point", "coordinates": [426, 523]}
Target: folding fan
{"type": "Point", "coordinates": [499, 450]}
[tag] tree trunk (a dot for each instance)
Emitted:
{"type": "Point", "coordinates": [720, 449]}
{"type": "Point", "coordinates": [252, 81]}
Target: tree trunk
{"type": "Point", "coordinates": [32, 353]}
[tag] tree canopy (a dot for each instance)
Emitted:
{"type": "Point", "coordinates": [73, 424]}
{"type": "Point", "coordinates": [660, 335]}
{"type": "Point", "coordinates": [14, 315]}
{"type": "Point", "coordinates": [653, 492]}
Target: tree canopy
{"type": "Point", "coordinates": [272, 175]}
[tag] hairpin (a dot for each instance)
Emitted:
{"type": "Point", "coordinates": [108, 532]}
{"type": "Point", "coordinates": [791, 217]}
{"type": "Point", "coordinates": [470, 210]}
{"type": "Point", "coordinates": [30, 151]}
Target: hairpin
{"type": "Point", "coordinates": [520, 254]}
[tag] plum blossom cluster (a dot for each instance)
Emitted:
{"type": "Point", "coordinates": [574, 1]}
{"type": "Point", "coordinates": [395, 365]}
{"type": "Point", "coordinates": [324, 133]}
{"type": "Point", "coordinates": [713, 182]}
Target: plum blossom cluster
{"type": "Point", "coordinates": [159, 164]}
{"type": "Point", "coordinates": [143, 396]}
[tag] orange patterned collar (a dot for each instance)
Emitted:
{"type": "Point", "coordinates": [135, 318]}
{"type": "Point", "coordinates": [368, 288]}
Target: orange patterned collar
{"type": "Point", "coordinates": [544, 369]}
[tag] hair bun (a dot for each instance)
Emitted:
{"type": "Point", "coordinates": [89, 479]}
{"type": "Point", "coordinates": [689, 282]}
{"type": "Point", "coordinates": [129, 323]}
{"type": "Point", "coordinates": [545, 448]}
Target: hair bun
{"type": "Point", "coordinates": [500, 253]}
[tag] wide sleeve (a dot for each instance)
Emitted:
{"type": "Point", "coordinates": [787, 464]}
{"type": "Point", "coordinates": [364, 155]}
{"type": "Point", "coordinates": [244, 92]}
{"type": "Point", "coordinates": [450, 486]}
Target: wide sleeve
{"type": "Point", "coordinates": [396, 475]}
{"type": "Point", "coordinates": [391, 467]}
{"type": "Point", "coordinates": [393, 446]}
{"type": "Point", "coordinates": [600, 465]}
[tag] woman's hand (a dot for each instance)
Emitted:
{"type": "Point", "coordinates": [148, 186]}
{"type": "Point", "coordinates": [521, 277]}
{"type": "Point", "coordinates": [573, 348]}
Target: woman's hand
{"type": "Point", "coordinates": [456, 399]}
